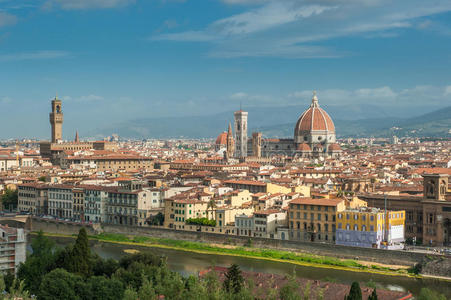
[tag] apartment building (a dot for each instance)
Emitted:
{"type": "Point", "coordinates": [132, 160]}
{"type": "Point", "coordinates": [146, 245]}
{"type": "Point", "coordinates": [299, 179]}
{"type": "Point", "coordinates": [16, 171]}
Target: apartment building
{"type": "Point", "coordinates": [95, 198]}
{"type": "Point", "coordinates": [128, 204]}
{"type": "Point", "coordinates": [371, 228]}
{"type": "Point", "coordinates": [12, 248]}
{"type": "Point", "coordinates": [32, 198]}
{"type": "Point", "coordinates": [313, 219]}
{"type": "Point", "coordinates": [267, 221]}
{"type": "Point", "coordinates": [78, 205]}
{"type": "Point", "coordinates": [177, 211]}
{"type": "Point", "coordinates": [60, 201]}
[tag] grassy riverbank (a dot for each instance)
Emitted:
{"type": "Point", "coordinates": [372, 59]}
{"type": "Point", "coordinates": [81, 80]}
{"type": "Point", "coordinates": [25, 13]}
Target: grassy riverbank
{"type": "Point", "coordinates": [256, 253]}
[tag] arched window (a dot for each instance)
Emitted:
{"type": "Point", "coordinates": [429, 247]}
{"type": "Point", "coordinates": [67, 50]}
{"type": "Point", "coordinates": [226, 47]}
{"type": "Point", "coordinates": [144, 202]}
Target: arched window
{"type": "Point", "coordinates": [356, 227]}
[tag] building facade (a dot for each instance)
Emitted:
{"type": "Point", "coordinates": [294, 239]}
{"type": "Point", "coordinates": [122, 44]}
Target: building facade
{"type": "Point", "coordinates": [12, 248]}
{"type": "Point", "coordinates": [314, 219]}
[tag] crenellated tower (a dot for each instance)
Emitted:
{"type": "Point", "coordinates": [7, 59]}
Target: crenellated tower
{"type": "Point", "coordinates": [56, 120]}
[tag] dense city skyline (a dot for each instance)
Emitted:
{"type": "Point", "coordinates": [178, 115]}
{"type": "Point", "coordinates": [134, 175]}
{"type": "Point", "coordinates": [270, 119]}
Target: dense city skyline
{"type": "Point", "coordinates": [120, 60]}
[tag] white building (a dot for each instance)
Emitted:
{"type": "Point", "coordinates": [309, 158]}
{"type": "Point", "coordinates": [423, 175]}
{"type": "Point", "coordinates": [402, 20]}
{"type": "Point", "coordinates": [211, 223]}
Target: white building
{"type": "Point", "coordinates": [12, 248]}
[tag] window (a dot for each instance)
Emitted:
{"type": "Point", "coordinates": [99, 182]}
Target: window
{"type": "Point", "coordinates": [305, 215]}
{"type": "Point", "coordinates": [371, 228]}
{"type": "Point", "coordinates": [348, 226]}
{"type": "Point", "coordinates": [340, 216]}
{"type": "Point", "coordinates": [347, 216]}
{"type": "Point", "coordinates": [372, 219]}
{"type": "Point", "coordinates": [356, 217]}
{"type": "Point", "coordinates": [356, 227]}
{"type": "Point", "coordinates": [319, 217]}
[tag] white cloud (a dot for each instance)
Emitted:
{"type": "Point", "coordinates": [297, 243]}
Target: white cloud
{"type": "Point", "coordinates": [37, 55]}
{"type": "Point", "coordinates": [86, 4]}
{"type": "Point", "coordinates": [267, 16]}
{"type": "Point", "coordinates": [288, 28]}
{"type": "Point", "coordinates": [447, 91]}
{"type": "Point", "coordinates": [5, 100]}
{"type": "Point", "coordinates": [239, 95]}
{"type": "Point", "coordinates": [384, 96]}
{"type": "Point", "coordinates": [7, 19]}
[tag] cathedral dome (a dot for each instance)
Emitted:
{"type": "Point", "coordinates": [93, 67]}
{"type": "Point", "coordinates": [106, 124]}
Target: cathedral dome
{"type": "Point", "coordinates": [334, 147]}
{"type": "Point", "coordinates": [314, 119]}
{"type": "Point", "coordinates": [303, 147]}
{"type": "Point", "coordinates": [222, 139]}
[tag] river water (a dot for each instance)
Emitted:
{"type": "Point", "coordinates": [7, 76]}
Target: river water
{"type": "Point", "coordinates": [188, 263]}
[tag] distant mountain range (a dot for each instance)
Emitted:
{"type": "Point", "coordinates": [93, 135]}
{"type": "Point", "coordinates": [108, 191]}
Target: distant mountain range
{"type": "Point", "coordinates": [280, 122]}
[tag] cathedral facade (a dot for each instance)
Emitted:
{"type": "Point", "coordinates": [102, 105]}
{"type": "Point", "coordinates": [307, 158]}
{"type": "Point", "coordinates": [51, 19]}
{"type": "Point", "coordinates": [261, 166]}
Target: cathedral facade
{"type": "Point", "coordinates": [314, 136]}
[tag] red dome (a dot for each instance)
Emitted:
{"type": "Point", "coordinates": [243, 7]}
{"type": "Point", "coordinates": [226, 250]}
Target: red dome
{"type": "Point", "coordinates": [314, 119]}
{"type": "Point", "coordinates": [304, 147]}
{"type": "Point", "coordinates": [334, 147]}
{"type": "Point", "coordinates": [222, 139]}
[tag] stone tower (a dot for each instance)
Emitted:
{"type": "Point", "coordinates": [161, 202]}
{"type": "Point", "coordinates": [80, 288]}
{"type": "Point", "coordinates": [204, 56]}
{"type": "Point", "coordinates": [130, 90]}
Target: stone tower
{"type": "Point", "coordinates": [257, 144]}
{"type": "Point", "coordinates": [240, 133]}
{"type": "Point", "coordinates": [230, 143]}
{"type": "Point", "coordinates": [56, 120]}
{"type": "Point", "coordinates": [435, 186]}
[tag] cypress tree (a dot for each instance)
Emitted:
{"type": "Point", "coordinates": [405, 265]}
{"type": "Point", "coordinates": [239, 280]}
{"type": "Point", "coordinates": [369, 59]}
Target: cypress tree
{"type": "Point", "coordinates": [234, 281]}
{"type": "Point", "coordinates": [373, 295]}
{"type": "Point", "coordinates": [81, 254]}
{"type": "Point", "coordinates": [355, 293]}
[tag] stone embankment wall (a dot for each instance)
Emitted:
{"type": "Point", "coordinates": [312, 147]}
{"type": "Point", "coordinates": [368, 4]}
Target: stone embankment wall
{"type": "Point", "coordinates": [374, 255]}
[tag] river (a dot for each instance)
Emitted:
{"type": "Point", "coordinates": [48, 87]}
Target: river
{"type": "Point", "coordinates": [190, 263]}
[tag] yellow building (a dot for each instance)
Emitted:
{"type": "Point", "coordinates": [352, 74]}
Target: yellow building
{"type": "Point", "coordinates": [370, 227]}
{"type": "Point", "coordinates": [176, 212]}
{"type": "Point", "coordinates": [313, 219]}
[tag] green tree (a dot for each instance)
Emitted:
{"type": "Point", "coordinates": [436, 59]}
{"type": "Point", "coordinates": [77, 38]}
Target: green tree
{"type": "Point", "coordinates": [157, 220]}
{"type": "Point", "coordinates": [233, 281]}
{"type": "Point", "coordinates": [104, 267]}
{"type": "Point", "coordinates": [212, 285]}
{"type": "Point", "coordinates": [427, 294]}
{"type": "Point", "coordinates": [102, 288]}
{"type": "Point", "coordinates": [17, 290]}
{"type": "Point", "coordinates": [81, 254]}
{"type": "Point", "coordinates": [290, 291]}
{"type": "Point", "coordinates": [60, 284]}
{"type": "Point", "coordinates": [9, 280]}
{"type": "Point", "coordinates": [355, 293]}
{"type": "Point", "coordinates": [2, 284]}
{"type": "Point", "coordinates": [373, 295]}
{"type": "Point", "coordinates": [130, 294]}
{"type": "Point", "coordinates": [38, 263]}
{"type": "Point", "coordinates": [146, 291]}
{"type": "Point", "coordinates": [9, 199]}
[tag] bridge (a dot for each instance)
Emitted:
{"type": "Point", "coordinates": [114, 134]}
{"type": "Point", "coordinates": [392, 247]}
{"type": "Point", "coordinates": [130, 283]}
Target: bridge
{"type": "Point", "coordinates": [17, 221]}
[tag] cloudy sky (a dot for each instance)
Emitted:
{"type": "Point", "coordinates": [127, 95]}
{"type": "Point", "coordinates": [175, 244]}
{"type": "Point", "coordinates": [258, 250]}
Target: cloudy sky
{"type": "Point", "coordinates": [116, 60]}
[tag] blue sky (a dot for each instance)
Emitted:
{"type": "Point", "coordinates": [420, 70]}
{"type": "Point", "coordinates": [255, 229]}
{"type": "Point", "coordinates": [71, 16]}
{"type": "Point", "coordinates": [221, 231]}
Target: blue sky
{"type": "Point", "coordinates": [116, 60]}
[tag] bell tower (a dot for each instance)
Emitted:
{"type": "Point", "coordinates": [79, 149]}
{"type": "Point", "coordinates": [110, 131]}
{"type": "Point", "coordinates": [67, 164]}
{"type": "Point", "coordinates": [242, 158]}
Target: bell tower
{"type": "Point", "coordinates": [56, 120]}
{"type": "Point", "coordinates": [435, 186]}
{"type": "Point", "coordinates": [240, 133]}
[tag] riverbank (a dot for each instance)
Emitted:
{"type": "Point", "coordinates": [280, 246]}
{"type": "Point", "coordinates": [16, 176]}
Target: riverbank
{"type": "Point", "coordinates": [250, 252]}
